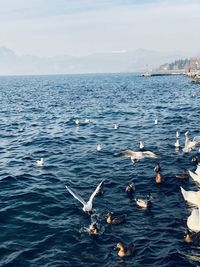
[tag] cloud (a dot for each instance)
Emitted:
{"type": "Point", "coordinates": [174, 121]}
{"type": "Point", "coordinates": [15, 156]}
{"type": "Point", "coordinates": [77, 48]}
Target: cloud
{"type": "Point", "coordinates": [81, 27]}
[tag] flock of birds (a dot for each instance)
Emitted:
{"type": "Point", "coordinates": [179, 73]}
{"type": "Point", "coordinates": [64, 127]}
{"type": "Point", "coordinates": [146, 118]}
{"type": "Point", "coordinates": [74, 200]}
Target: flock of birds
{"type": "Point", "coordinates": [192, 197]}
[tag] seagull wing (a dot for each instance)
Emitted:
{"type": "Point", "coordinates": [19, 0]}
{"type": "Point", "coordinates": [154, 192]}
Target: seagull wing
{"type": "Point", "coordinates": [149, 154]}
{"type": "Point", "coordinates": [95, 191]}
{"type": "Point", "coordinates": [196, 139]}
{"type": "Point", "coordinates": [126, 153]}
{"type": "Point", "coordinates": [76, 196]}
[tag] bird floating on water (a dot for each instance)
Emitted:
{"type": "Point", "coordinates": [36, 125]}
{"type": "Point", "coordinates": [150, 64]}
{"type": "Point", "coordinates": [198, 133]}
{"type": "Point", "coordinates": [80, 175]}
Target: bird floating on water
{"type": "Point", "coordinates": [87, 206]}
{"type": "Point", "coordinates": [136, 155]}
{"type": "Point", "coordinates": [87, 120]}
{"type": "Point", "coordinates": [77, 122]}
{"type": "Point", "coordinates": [157, 168]}
{"type": "Point", "coordinates": [40, 162]}
{"type": "Point", "coordinates": [98, 147]}
{"type": "Point", "coordinates": [125, 251]}
{"type": "Point", "coordinates": [115, 126]}
{"type": "Point", "coordinates": [94, 229]}
{"type": "Point", "coordinates": [146, 204]}
{"type": "Point", "coordinates": [192, 238]}
{"type": "Point", "coordinates": [130, 189]}
{"type": "Point", "coordinates": [112, 218]}
{"type": "Point", "coordinates": [159, 178]}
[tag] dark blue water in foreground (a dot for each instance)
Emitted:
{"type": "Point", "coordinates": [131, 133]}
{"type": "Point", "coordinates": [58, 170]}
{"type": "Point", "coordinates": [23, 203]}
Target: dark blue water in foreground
{"type": "Point", "coordinates": [41, 223]}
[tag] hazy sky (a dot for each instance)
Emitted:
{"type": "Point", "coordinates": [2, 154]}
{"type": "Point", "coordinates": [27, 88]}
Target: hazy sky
{"type": "Point", "coordinates": [81, 27]}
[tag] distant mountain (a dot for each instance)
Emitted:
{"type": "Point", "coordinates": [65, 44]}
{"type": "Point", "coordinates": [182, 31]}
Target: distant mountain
{"type": "Point", "coordinates": [192, 64]}
{"type": "Point", "coordinates": [118, 61]}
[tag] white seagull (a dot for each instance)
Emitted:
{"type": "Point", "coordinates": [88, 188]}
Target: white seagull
{"type": "Point", "coordinates": [98, 147]}
{"type": "Point", "coordinates": [77, 122]}
{"type": "Point", "coordinates": [191, 196]}
{"type": "Point", "coordinates": [40, 162]}
{"type": "Point", "coordinates": [87, 206]}
{"type": "Point", "coordinates": [193, 221]}
{"type": "Point", "coordinates": [189, 145]}
{"type": "Point", "coordinates": [137, 155]}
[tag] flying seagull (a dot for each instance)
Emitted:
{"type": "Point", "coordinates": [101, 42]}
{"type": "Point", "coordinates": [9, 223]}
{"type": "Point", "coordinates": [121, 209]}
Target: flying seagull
{"type": "Point", "coordinates": [136, 155]}
{"type": "Point", "coordinates": [189, 145]}
{"type": "Point", "coordinates": [87, 206]}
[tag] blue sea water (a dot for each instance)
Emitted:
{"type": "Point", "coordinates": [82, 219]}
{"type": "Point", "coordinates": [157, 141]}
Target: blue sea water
{"type": "Point", "coordinates": [41, 224]}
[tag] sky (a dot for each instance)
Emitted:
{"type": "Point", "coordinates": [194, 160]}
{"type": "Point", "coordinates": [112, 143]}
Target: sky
{"type": "Point", "coordinates": [83, 27]}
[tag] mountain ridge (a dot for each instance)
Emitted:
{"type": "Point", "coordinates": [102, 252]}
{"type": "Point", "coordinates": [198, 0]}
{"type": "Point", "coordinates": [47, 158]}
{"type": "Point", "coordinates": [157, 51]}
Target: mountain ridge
{"type": "Point", "coordinates": [116, 61]}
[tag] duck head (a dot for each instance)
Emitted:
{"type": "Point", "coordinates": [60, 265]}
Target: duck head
{"type": "Point", "coordinates": [187, 236]}
{"type": "Point", "coordinates": [120, 245]}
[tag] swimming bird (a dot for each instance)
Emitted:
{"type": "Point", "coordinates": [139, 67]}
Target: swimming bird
{"type": "Point", "coordinates": [144, 203]}
{"type": "Point", "coordinates": [159, 178]}
{"type": "Point", "coordinates": [112, 218]}
{"type": "Point", "coordinates": [141, 145]}
{"type": "Point", "coordinates": [192, 238]}
{"type": "Point", "coordinates": [195, 160]}
{"type": "Point", "coordinates": [136, 155]}
{"type": "Point", "coordinates": [193, 221]}
{"type": "Point", "coordinates": [87, 120]}
{"type": "Point", "coordinates": [125, 251]}
{"type": "Point", "coordinates": [40, 162]}
{"type": "Point", "coordinates": [130, 189]}
{"type": "Point", "coordinates": [98, 147]}
{"type": "Point", "coordinates": [115, 126]}
{"type": "Point", "coordinates": [77, 122]}
{"type": "Point", "coordinates": [87, 206]}
{"type": "Point", "coordinates": [194, 176]}
{"type": "Point", "coordinates": [157, 168]}
{"type": "Point", "coordinates": [189, 145]}
{"type": "Point", "coordinates": [94, 229]}
{"type": "Point", "coordinates": [191, 196]}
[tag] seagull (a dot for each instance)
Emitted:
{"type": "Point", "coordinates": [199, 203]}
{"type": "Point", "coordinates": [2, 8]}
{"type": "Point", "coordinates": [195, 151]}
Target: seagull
{"type": "Point", "coordinates": [141, 145]}
{"type": "Point", "coordinates": [77, 122]}
{"type": "Point", "coordinates": [193, 221]}
{"type": "Point", "coordinates": [136, 155]}
{"type": "Point", "coordinates": [87, 206]}
{"type": "Point", "coordinates": [189, 145]}
{"type": "Point", "coordinates": [115, 126]}
{"type": "Point", "coordinates": [98, 147]}
{"type": "Point", "coordinates": [40, 162]}
{"type": "Point", "coordinates": [191, 196]}
{"type": "Point", "coordinates": [87, 120]}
